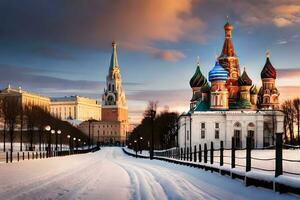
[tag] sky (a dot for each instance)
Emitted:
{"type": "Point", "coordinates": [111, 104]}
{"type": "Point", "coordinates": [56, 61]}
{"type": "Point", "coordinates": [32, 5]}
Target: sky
{"type": "Point", "coordinates": [61, 47]}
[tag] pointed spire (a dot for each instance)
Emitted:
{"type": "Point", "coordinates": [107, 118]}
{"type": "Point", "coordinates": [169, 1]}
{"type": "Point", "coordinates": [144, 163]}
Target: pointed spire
{"type": "Point", "coordinates": [228, 49]}
{"type": "Point", "coordinates": [268, 53]}
{"type": "Point", "coordinates": [114, 58]}
{"type": "Point", "coordinates": [244, 80]}
{"type": "Point", "coordinates": [198, 61]}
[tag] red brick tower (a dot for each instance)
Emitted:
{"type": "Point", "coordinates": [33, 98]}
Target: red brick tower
{"type": "Point", "coordinates": [230, 62]}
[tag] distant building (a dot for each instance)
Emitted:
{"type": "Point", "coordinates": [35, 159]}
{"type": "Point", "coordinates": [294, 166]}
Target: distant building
{"type": "Point", "coordinates": [26, 98]}
{"type": "Point", "coordinates": [75, 108]}
{"type": "Point", "coordinates": [113, 126]}
{"type": "Point", "coordinates": [230, 106]}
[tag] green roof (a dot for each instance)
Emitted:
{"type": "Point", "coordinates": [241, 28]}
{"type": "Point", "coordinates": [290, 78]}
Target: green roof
{"type": "Point", "coordinates": [202, 106]}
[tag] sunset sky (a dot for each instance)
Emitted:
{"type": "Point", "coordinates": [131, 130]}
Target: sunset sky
{"type": "Point", "coordinates": [61, 48]}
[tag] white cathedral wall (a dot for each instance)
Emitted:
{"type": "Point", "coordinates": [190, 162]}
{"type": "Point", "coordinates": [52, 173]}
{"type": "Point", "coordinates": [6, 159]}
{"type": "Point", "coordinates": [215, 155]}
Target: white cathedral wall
{"type": "Point", "coordinates": [226, 122]}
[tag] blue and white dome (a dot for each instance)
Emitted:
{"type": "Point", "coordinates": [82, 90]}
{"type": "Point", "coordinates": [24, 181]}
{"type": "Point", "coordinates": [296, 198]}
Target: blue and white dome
{"type": "Point", "coordinates": [218, 73]}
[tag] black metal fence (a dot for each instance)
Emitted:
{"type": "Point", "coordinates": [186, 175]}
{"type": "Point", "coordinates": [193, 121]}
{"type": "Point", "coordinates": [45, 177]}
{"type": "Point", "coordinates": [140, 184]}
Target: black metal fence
{"type": "Point", "coordinates": [242, 158]}
{"type": "Point", "coordinates": [31, 155]}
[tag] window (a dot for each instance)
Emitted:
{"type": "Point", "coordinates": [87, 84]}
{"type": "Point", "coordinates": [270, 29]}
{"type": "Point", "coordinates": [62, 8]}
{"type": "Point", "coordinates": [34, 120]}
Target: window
{"type": "Point", "coordinates": [202, 131]}
{"type": "Point", "coordinates": [217, 134]}
{"type": "Point", "coordinates": [202, 134]}
{"type": "Point", "coordinates": [187, 135]}
{"type": "Point", "coordinates": [217, 130]}
{"type": "Point", "coordinates": [202, 125]}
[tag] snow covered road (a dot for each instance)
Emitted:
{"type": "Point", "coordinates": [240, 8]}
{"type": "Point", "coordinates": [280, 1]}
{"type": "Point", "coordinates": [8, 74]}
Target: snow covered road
{"type": "Point", "coordinates": [110, 174]}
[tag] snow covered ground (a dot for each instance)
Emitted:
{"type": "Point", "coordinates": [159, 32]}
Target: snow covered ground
{"type": "Point", "coordinates": [110, 174]}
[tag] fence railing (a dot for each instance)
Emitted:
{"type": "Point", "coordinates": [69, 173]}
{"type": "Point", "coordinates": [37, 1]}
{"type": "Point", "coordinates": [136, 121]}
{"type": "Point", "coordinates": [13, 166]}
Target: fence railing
{"type": "Point", "coordinates": [6, 157]}
{"type": "Point", "coordinates": [270, 160]}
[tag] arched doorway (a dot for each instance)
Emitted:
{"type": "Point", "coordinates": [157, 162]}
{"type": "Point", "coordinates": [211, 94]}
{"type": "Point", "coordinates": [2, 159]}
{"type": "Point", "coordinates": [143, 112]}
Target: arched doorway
{"type": "Point", "coordinates": [251, 133]}
{"type": "Point", "coordinates": [237, 135]}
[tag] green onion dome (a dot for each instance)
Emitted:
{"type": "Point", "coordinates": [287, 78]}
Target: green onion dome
{"type": "Point", "coordinates": [198, 80]}
{"type": "Point", "coordinates": [244, 80]}
{"type": "Point", "coordinates": [253, 89]}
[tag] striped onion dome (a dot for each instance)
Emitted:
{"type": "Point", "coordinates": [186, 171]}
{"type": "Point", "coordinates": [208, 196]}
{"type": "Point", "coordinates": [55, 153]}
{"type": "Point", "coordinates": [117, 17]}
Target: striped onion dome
{"type": "Point", "coordinates": [268, 71]}
{"type": "Point", "coordinates": [198, 80]}
{"type": "Point", "coordinates": [218, 73]}
{"type": "Point", "coordinates": [244, 80]}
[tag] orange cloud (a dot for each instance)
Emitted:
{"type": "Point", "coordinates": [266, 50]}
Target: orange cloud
{"type": "Point", "coordinates": [139, 25]}
{"type": "Point", "coordinates": [169, 55]}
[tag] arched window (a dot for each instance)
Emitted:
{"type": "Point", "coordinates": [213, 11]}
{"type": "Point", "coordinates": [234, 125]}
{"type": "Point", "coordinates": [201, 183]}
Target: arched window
{"type": "Point", "coordinates": [113, 87]}
{"type": "Point", "coordinates": [237, 134]}
{"type": "Point", "coordinates": [251, 133]}
{"type": "Point", "coordinates": [266, 100]}
{"type": "Point", "coordinates": [109, 87]}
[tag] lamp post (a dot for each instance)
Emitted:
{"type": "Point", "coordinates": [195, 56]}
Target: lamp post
{"type": "Point", "coordinates": [48, 129]}
{"type": "Point", "coordinates": [135, 142]}
{"type": "Point", "coordinates": [79, 142]}
{"type": "Point", "coordinates": [59, 133]}
{"type": "Point", "coordinates": [141, 145]}
{"type": "Point", "coordinates": [74, 143]}
{"type": "Point", "coordinates": [69, 137]}
{"type": "Point", "coordinates": [53, 132]}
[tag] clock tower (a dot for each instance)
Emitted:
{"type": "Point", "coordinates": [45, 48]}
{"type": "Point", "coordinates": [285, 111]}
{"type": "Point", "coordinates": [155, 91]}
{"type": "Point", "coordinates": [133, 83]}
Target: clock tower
{"type": "Point", "coordinates": [113, 99]}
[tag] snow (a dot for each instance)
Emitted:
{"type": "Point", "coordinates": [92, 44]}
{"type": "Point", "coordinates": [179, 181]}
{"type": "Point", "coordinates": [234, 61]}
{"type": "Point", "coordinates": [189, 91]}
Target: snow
{"type": "Point", "coordinates": [291, 181]}
{"type": "Point", "coordinates": [111, 174]}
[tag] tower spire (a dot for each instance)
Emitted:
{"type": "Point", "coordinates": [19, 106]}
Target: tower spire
{"type": "Point", "coordinates": [268, 53]}
{"type": "Point", "coordinates": [114, 57]}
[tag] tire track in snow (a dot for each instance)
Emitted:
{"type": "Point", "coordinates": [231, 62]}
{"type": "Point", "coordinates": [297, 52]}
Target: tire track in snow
{"type": "Point", "coordinates": [174, 186]}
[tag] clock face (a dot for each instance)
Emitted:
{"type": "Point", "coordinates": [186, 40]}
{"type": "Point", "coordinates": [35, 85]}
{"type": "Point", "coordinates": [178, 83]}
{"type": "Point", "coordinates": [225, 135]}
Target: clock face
{"type": "Point", "coordinates": [110, 99]}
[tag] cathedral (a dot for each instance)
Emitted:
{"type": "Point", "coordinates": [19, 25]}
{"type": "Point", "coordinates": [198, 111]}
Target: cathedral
{"type": "Point", "coordinates": [227, 104]}
{"type": "Point", "coordinates": [113, 126]}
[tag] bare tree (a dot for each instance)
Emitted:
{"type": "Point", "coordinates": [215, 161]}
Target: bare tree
{"type": "Point", "coordinates": [151, 113]}
{"type": "Point", "coordinates": [288, 110]}
{"type": "Point", "coordinates": [296, 103]}
{"type": "Point", "coordinates": [11, 110]}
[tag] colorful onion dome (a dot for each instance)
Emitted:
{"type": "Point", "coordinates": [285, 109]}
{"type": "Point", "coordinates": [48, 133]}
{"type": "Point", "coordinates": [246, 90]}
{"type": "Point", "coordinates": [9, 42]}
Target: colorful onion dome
{"type": "Point", "coordinates": [198, 80]}
{"type": "Point", "coordinates": [244, 80]}
{"type": "Point", "coordinates": [218, 73]}
{"type": "Point", "coordinates": [268, 71]}
{"type": "Point", "coordinates": [253, 89]}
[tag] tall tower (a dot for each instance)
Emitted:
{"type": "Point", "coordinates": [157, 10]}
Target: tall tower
{"type": "Point", "coordinates": [230, 62]}
{"type": "Point", "coordinates": [268, 93]}
{"type": "Point", "coordinates": [113, 99]}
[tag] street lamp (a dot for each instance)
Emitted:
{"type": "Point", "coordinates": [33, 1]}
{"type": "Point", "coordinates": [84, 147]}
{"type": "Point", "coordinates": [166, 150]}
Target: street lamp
{"type": "Point", "coordinates": [141, 144]}
{"type": "Point", "coordinates": [52, 132]}
{"type": "Point", "coordinates": [59, 133]}
{"type": "Point", "coordinates": [135, 148]}
{"type": "Point", "coordinates": [69, 137]}
{"type": "Point", "coordinates": [48, 129]}
{"type": "Point", "coordinates": [79, 142]}
{"type": "Point", "coordinates": [74, 140]}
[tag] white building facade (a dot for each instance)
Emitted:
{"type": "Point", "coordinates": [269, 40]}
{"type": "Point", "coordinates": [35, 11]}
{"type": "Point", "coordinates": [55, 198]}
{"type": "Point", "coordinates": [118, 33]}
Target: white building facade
{"type": "Point", "coordinates": [215, 126]}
